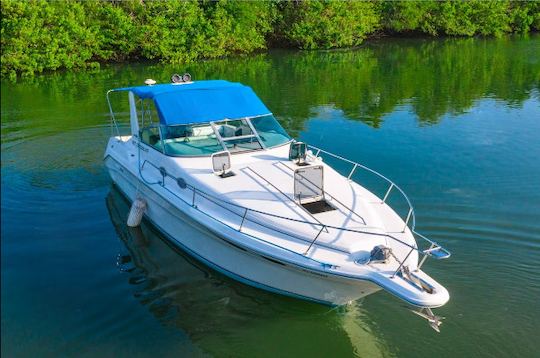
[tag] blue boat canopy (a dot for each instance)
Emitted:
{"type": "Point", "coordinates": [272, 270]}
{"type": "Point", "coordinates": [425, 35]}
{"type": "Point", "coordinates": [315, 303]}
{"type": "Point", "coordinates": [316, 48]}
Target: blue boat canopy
{"type": "Point", "coordinates": [201, 101]}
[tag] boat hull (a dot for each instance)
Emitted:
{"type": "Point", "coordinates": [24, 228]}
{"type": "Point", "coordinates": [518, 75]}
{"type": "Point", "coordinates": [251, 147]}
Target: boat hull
{"type": "Point", "coordinates": [214, 246]}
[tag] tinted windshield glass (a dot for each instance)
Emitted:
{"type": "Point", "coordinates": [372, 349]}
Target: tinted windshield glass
{"type": "Point", "coordinates": [270, 131]}
{"type": "Point", "coordinates": [237, 135]}
{"type": "Point", "coordinates": [190, 140]}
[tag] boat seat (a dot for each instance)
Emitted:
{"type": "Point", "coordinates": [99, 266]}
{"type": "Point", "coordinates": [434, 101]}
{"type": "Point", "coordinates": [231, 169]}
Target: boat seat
{"type": "Point", "coordinates": [148, 137]}
{"type": "Point", "coordinates": [226, 130]}
{"type": "Point", "coordinates": [153, 139]}
{"type": "Point", "coordinates": [243, 130]}
{"type": "Point", "coordinates": [174, 132]}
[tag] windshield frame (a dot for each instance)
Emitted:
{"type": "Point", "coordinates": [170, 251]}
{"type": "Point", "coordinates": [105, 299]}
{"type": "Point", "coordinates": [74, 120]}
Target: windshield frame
{"type": "Point", "coordinates": [222, 141]}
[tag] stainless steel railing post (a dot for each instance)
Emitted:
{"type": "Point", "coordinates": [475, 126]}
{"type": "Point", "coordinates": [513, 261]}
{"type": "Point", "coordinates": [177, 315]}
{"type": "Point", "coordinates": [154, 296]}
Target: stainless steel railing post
{"type": "Point", "coordinates": [402, 263]}
{"type": "Point", "coordinates": [352, 171]}
{"type": "Point", "coordinates": [407, 220]}
{"type": "Point", "coordinates": [387, 193]}
{"type": "Point", "coordinates": [243, 218]}
{"type": "Point", "coordinates": [424, 258]}
{"type": "Point", "coordinates": [315, 239]}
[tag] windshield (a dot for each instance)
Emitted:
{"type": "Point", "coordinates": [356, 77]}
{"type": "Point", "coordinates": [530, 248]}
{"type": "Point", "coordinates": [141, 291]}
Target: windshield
{"type": "Point", "coordinates": [270, 131]}
{"type": "Point", "coordinates": [235, 136]}
{"type": "Point", "coordinates": [190, 140]}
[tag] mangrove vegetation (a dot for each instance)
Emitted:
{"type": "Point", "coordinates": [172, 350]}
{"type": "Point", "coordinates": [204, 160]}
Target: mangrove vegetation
{"type": "Point", "coordinates": [44, 35]}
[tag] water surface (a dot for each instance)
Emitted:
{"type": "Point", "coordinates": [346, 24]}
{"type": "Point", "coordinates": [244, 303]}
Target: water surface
{"type": "Point", "coordinates": [454, 122]}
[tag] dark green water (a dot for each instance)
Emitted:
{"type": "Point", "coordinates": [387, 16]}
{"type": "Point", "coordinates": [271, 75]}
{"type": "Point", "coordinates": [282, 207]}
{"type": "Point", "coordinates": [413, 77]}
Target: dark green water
{"type": "Point", "coordinates": [455, 122]}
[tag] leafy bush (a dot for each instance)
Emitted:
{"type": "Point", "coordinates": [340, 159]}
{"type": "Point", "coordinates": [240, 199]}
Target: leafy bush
{"type": "Point", "coordinates": [117, 33]}
{"type": "Point", "coordinates": [38, 35]}
{"type": "Point", "coordinates": [237, 26]}
{"type": "Point", "coordinates": [328, 24]}
{"type": "Point", "coordinates": [409, 16]}
{"type": "Point", "coordinates": [169, 30]}
{"type": "Point", "coordinates": [461, 18]}
{"type": "Point", "coordinates": [525, 15]}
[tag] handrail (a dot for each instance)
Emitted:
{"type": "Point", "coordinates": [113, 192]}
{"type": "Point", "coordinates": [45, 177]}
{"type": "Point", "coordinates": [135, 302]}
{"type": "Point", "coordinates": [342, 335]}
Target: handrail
{"type": "Point", "coordinates": [392, 184]}
{"type": "Point", "coordinates": [245, 136]}
{"type": "Point", "coordinates": [410, 214]}
{"type": "Point", "coordinates": [113, 118]}
{"type": "Point", "coordinates": [263, 212]}
{"type": "Point", "coordinates": [323, 226]}
{"type": "Point", "coordinates": [214, 199]}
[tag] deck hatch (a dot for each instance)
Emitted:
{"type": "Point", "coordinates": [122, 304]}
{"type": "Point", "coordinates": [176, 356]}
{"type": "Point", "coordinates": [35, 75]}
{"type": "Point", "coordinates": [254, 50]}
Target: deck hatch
{"type": "Point", "coordinates": [309, 191]}
{"type": "Point", "coordinates": [317, 207]}
{"type": "Point", "coordinates": [308, 184]}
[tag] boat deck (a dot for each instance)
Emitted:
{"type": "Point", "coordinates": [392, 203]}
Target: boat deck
{"type": "Point", "coordinates": [265, 183]}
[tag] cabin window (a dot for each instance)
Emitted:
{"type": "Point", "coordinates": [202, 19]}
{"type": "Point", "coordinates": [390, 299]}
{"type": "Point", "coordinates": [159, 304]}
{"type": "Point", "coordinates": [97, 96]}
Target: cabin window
{"type": "Point", "coordinates": [270, 131]}
{"type": "Point", "coordinates": [190, 140]}
{"type": "Point", "coordinates": [150, 135]}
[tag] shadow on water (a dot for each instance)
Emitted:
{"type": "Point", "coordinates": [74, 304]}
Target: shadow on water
{"type": "Point", "coordinates": [228, 318]}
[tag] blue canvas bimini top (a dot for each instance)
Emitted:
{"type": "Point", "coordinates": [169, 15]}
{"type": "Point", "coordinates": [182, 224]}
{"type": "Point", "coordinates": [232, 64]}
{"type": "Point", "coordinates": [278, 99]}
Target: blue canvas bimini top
{"type": "Point", "coordinates": [201, 101]}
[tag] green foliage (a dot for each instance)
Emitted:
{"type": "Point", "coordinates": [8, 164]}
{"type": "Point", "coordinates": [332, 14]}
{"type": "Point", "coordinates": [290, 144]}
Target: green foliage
{"type": "Point", "coordinates": [39, 35]}
{"type": "Point", "coordinates": [409, 16]}
{"type": "Point", "coordinates": [328, 24]}
{"type": "Point", "coordinates": [468, 18]}
{"type": "Point", "coordinates": [461, 18]}
{"type": "Point", "coordinates": [169, 30]}
{"type": "Point", "coordinates": [237, 26]}
{"type": "Point", "coordinates": [117, 30]}
{"type": "Point", "coordinates": [525, 16]}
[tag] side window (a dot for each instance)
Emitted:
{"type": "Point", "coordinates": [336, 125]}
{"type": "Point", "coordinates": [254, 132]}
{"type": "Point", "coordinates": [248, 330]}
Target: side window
{"type": "Point", "coordinates": [149, 124]}
{"type": "Point", "coordinates": [150, 136]}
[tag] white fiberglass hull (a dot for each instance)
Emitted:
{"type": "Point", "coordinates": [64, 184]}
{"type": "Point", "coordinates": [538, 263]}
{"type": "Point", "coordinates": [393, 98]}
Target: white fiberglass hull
{"type": "Point", "coordinates": [213, 245]}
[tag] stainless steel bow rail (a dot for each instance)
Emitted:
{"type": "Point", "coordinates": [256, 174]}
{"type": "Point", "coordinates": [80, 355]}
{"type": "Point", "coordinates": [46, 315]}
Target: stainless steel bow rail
{"type": "Point", "coordinates": [434, 250]}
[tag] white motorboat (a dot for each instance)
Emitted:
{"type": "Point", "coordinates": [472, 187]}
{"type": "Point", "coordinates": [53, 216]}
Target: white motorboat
{"type": "Point", "coordinates": [222, 180]}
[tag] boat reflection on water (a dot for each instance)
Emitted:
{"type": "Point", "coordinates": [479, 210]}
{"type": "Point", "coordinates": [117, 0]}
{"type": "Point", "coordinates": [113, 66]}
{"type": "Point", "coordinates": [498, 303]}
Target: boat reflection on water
{"type": "Point", "coordinates": [223, 316]}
